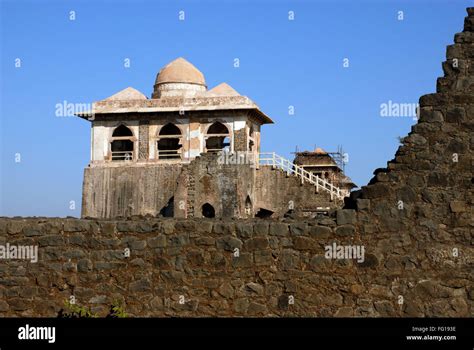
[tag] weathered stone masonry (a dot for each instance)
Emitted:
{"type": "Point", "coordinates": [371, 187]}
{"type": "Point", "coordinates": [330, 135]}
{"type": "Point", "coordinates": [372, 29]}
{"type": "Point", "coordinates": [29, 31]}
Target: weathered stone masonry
{"type": "Point", "coordinates": [414, 218]}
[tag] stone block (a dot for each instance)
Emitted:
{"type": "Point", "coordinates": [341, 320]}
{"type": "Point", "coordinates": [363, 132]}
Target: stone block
{"type": "Point", "coordinates": [319, 231]}
{"type": "Point", "coordinates": [298, 229]}
{"type": "Point", "coordinates": [263, 257]}
{"type": "Point", "coordinates": [242, 261]}
{"type": "Point", "coordinates": [278, 229]}
{"type": "Point", "coordinates": [244, 230]}
{"type": "Point", "coordinates": [345, 230]}
{"type": "Point", "coordinates": [457, 206]}
{"type": "Point", "coordinates": [76, 225]}
{"type": "Point", "coordinates": [261, 228]}
{"type": "Point", "coordinates": [157, 242]}
{"type": "Point", "coordinates": [256, 309]}
{"type": "Point", "coordinates": [455, 115]}
{"type": "Point", "coordinates": [142, 285]}
{"type": "Point", "coordinates": [257, 243]}
{"type": "Point", "coordinates": [254, 288]}
{"type": "Point", "coordinates": [51, 240]}
{"type": "Point", "coordinates": [228, 243]}
{"type": "Point", "coordinates": [304, 243]}
{"type": "Point", "coordinates": [345, 216]}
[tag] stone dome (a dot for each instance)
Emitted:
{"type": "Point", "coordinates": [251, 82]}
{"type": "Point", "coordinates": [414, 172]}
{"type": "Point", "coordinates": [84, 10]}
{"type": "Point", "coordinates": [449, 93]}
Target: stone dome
{"type": "Point", "coordinates": [180, 71]}
{"type": "Point", "coordinates": [177, 78]}
{"type": "Point", "coordinates": [127, 94]}
{"type": "Point", "coordinates": [223, 89]}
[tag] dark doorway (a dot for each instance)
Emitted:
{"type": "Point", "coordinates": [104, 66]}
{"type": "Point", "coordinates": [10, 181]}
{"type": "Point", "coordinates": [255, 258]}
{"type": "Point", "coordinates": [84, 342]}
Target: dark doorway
{"type": "Point", "coordinates": [168, 210]}
{"type": "Point", "coordinates": [264, 213]}
{"type": "Point", "coordinates": [208, 211]}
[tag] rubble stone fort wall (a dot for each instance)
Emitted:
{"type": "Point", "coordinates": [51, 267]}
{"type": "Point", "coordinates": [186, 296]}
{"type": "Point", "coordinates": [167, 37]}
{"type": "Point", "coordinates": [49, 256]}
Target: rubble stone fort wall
{"type": "Point", "coordinates": [414, 220]}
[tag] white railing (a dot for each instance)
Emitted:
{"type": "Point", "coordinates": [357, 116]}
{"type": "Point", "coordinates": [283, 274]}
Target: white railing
{"type": "Point", "coordinates": [169, 154]}
{"type": "Point", "coordinates": [276, 161]}
{"type": "Point", "coordinates": [125, 155]}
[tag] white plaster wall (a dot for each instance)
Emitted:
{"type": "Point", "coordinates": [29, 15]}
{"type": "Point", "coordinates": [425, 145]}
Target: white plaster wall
{"type": "Point", "coordinates": [102, 132]}
{"type": "Point", "coordinates": [101, 137]}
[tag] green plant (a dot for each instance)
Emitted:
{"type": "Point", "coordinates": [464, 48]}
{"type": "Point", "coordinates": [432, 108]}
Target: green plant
{"type": "Point", "coordinates": [116, 310]}
{"type": "Point", "coordinates": [75, 311]}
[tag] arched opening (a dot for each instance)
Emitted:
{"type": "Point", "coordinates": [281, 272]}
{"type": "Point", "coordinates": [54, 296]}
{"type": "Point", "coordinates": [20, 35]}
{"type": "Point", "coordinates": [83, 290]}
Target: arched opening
{"type": "Point", "coordinates": [264, 213]}
{"type": "Point", "coordinates": [208, 211]}
{"type": "Point", "coordinates": [248, 206]}
{"type": "Point", "coordinates": [121, 146]}
{"type": "Point", "coordinates": [169, 142]}
{"type": "Point", "coordinates": [168, 210]}
{"type": "Point", "coordinates": [121, 131]}
{"type": "Point", "coordinates": [217, 138]}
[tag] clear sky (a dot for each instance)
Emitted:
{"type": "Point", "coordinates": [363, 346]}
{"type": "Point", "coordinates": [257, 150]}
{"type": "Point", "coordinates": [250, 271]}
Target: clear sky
{"type": "Point", "coordinates": [283, 63]}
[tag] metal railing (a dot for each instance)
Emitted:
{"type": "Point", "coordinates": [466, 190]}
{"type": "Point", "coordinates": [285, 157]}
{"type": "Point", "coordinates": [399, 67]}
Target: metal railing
{"type": "Point", "coordinates": [274, 160]}
{"type": "Point", "coordinates": [169, 154]}
{"type": "Point", "coordinates": [122, 155]}
{"type": "Point", "coordinates": [225, 149]}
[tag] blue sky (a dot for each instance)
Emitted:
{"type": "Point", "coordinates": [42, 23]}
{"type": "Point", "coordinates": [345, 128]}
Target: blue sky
{"type": "Point", "coordinates": [282, 63]}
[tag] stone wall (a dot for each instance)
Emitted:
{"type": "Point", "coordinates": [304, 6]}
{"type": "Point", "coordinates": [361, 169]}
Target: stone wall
{"type": "Point", "coordinates": [212, 179]}
{"type": "Point", "coordinates": [282, 194]}
{"type": "Point", "coordinates": [223, 182]}
{"type": "Point", "coordinates": [243, 268]}
{"type": "Point", "coordinates": [125, 191]}
{"type": "Point", "coordinates": [414, 221]}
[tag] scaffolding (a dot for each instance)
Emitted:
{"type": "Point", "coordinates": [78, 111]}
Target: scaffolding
{"type": "Point", "coordinates": [339, 157]}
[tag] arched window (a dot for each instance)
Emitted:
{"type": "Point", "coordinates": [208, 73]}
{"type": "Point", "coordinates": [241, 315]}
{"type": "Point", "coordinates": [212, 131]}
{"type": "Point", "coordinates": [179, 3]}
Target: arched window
{"type": "Point", "coordinates": [122, 130]}
{"type": "Point", "coordinates": [121, 145]}
{"type": "Point", "coordinates": [248, 206]}
{"type": "Point", "coordinates": [169, 142]}
{"type": "Point", "coordinates": [208, 211]}
{"type": "Point", "coordinates": [217, 138]}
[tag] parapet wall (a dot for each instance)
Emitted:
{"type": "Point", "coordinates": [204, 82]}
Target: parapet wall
{"type": "Point", "coordinates": [205, 267]}
{"type": "Point", "coordinates": [414, 221]}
